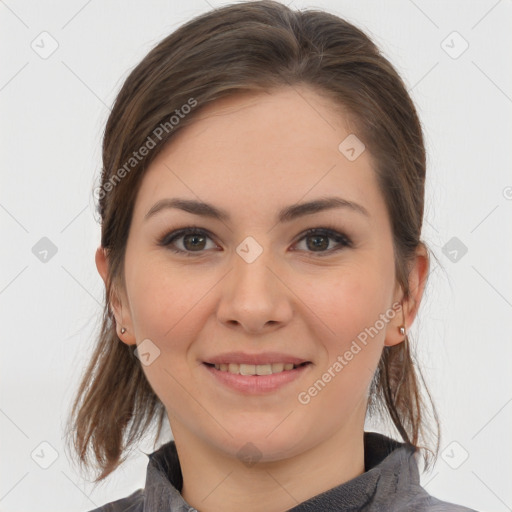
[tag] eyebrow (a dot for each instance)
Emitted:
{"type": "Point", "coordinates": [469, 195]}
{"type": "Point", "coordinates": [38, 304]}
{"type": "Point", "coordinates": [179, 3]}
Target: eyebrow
{"type": "Point", "coordinates": [286, 214]}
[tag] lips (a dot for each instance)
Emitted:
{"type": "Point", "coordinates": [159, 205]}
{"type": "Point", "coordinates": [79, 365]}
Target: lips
{"type": "Point", "coordinates": [255, 359]}
{"type": "Point", "coordinates": [246, 382]}
{"type": "Point", "coordinates": [256, 374]}
{"type": "Point", "coordinates": [255, 369]}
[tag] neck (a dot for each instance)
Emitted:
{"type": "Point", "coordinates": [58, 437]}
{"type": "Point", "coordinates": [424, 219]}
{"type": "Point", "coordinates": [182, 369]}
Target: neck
{"type": "Point", "coordinates": [214, 480]}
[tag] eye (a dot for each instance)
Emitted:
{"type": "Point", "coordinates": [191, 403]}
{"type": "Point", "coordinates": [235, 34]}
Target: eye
{"type": "Point", "coordinates": [194, 240]}
{"type": "Point", "coordinates": [320, 239]}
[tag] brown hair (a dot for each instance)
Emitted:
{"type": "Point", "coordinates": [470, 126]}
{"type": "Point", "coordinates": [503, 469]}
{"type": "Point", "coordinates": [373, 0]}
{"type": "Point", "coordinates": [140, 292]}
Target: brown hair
{"type": "Point", "coordinates": [254, 46]}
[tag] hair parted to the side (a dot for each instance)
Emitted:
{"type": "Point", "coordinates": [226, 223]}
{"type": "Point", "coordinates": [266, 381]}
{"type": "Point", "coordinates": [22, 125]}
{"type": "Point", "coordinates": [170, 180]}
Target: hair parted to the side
{"type": "Point", "coordinates": [249, 47]}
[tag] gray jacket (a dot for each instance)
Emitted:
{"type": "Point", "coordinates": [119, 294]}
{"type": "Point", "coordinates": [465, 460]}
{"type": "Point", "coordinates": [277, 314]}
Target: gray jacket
{"type": "Point", "coordinates": [390, 483]}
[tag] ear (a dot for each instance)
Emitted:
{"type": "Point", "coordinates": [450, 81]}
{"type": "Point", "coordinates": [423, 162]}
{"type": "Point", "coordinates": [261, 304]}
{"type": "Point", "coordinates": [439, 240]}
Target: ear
{"type": "Point", "coordinates": [405, 315]}
{"type": "Point", "coordinates": [118, 306]}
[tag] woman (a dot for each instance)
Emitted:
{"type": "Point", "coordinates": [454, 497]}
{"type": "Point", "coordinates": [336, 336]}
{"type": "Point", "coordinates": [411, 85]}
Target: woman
{"type": "Point", "coordinates": [261, 203]}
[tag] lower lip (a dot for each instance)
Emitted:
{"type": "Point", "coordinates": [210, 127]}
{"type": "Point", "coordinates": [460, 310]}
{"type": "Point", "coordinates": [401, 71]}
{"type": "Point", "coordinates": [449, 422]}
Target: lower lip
{"type": "Point", "coordinates": [257, 384]}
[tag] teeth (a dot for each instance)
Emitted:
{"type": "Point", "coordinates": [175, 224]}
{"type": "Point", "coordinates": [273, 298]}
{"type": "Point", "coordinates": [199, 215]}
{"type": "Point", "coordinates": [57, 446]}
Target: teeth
{"type": "Point", "coordinates": [254, 369]}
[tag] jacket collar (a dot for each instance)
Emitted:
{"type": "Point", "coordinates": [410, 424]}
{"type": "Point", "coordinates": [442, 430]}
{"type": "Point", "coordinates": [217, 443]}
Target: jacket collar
{"type": "Point", "coordinates": [389, 468]}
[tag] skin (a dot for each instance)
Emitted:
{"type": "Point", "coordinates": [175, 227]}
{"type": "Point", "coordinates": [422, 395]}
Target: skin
{"type": "Point", "coordinates": [252, 155]}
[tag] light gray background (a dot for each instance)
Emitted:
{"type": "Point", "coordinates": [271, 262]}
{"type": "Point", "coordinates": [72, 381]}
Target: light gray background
{"type": "Point", "coordinates": [53, 111]}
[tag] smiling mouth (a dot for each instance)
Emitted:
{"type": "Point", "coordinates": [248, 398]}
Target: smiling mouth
{"type": "Point", "coordinates": [256, 369]}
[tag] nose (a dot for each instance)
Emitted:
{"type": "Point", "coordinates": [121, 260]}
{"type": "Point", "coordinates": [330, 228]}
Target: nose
{"type": "Point", "coordinates": [254, 296]}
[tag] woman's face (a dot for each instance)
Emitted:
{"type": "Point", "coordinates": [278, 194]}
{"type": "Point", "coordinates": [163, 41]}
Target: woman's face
{"type": "Point", "coordinates": [254, 283]}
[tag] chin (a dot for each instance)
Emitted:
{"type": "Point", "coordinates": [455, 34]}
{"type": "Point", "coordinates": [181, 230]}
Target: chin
{"type": "Point", "coordinates": [261, 443]}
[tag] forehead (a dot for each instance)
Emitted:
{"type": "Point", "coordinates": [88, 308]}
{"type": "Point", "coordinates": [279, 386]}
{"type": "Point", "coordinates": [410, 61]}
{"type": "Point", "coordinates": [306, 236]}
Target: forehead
{"type": "Point", "coordinates": [264, 149]}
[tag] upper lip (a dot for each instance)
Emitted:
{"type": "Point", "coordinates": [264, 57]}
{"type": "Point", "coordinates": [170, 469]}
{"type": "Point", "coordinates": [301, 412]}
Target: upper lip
{"type": "Point", "coordinates": [262, 358]}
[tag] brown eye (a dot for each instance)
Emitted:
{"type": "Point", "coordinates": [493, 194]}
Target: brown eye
{"type": "Point", "coordinates": [193, 240]}
{"type": "Point", "coordinates": [318, 240]}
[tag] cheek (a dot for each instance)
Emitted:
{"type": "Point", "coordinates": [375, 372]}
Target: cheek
{"type": "Point", "coordinates": [166, 307]}
{"type": "Point", "coordinates": [349, 303]}
{"type": "Point", "coordinates": [348, 298]}
{"type": "Point", "coordinates": [167, 303]}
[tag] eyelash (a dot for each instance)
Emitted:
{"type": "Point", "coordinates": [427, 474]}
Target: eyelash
{"type": "Point", "coordinates": [342, 239]}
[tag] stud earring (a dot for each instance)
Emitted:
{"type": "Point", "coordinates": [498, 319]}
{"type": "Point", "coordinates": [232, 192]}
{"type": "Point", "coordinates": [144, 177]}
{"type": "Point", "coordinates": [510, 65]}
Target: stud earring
{"type": "Point", "coordinates": [402, 329]}
{"type": "Point", "coordinates": [123, 330]}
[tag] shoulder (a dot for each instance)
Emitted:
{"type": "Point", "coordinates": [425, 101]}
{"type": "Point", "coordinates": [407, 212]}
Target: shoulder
{"type": "Point", "coordinates": [132, 503]}
{"type": "Point", "coordinates": [424, 502]}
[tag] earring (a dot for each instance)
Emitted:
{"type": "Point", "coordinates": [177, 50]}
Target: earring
{"type": "Point", "coordinates": [123, 330]}
{"type": "Point", "coordinates": [402, 329]}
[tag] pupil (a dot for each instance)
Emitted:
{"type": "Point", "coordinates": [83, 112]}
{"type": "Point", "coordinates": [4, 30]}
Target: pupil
{"type": "Point", "coordinates": [320, 245]}
{"type": "Point", "coordinates": [194, 237]}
